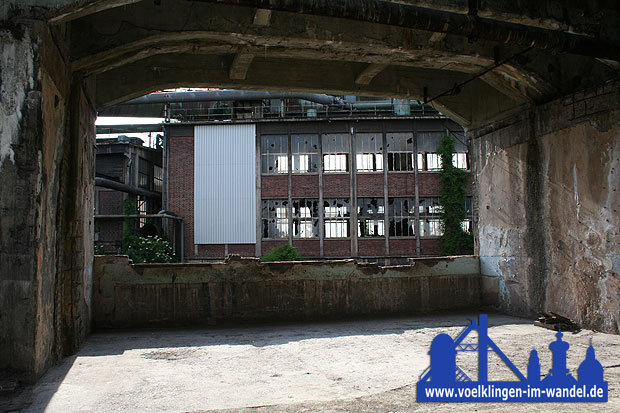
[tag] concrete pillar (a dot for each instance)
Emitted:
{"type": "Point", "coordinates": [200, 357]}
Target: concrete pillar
{"type": "Point", "coordinates": [259, 201]}
{"type": "Point", "coordinates": [386, 216]}
{"type": "Point", "coordinates": [46, 203]}
{"type": "Point", "coordinates": [321, 212]}
{"type": "Point", "coordinates": [353, 192]}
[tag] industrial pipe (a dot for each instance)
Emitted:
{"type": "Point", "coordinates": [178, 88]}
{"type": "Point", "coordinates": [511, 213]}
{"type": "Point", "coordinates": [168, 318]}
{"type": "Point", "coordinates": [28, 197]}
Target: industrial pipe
{"type": "Point", "coordinates": [119, 186]}
{"type": "Point", "coordinates": [223, 95]}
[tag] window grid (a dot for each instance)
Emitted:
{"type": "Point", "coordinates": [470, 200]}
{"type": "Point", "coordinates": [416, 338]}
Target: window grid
{"type": "Point", "coordinates": [401, 215]}
{"type": "Point", "coordinates": [336, 214]}
{"type": "Point", "coordinates": [274, 154]}
{"type": "Point", "coordinates": [370, 217]}
{"type": "Point", "coordinates": [305, 153]}
{"type": "Point", "coordinates": [275, 218]}
{"type": "Point", "coordinates": [400, 151]}
{"type": "Point", "coordinates": [369, 156]}
{"type": "Point", "coordinates": [336, 150]}
{"type": "Point", "coordinates": [305, 218]}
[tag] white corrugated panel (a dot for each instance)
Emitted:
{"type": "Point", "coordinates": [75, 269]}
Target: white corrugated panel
{"type": "Point", "coordinates": [224, 184]}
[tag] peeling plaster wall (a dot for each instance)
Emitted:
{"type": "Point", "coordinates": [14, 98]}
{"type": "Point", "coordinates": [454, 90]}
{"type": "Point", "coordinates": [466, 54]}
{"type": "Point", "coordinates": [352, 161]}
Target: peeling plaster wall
{"type": "Point", "coordinates": [549, 209]}
{"type": "Point", "coordinates": [46, 199]}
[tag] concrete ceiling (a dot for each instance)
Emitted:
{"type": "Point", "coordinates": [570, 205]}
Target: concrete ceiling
{"type": "Point", "coordinates": [429, 49]}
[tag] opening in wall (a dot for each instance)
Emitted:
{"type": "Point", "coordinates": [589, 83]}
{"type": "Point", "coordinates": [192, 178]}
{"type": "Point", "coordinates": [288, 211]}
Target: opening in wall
{"type": "Point", "coordinates": [337, 213]}
{"type": "Point", "coordinates": [370, 217]}
{"type": "Point", "coordinates": [305, 218]}
{"type": "Point", "coordinates": [275, 218]}
{"type": "Point", "coordinates": [305, 153]}
{"type": "Point", "coordinates": [369, 157]}
{"type": "Point", "coordinates": [274, 154]}
{"type": "Point", "coordinates": [399, 151]}
{"type": "Point", "coordinates": [336, 152]}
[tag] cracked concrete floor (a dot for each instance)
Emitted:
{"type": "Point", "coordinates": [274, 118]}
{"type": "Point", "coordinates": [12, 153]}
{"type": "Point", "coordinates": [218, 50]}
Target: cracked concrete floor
{"type": "Point", "coordinates": [364, 365]}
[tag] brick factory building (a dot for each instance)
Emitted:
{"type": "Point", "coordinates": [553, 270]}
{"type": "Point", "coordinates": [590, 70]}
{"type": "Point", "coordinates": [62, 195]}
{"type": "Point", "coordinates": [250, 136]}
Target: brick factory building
{"type": "Point", "coordinates": [244, 186]}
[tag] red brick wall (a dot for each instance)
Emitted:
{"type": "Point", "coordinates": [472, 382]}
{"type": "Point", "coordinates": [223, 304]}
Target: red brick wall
{"type": "Point", "coordinates": [336, 185]}
{"type": "Point", "coordinates": [245, 250]}
{"type": "Point", "coordinates": [304, 186]}
{"type": "Point", "coordinates": [430, 183]}
{"type": "Point", "coordinates": [337, 247]}
{"type": "Point", "coordinates": [308, 247]}
{"type": "Point", "coordinates": [401, 184]}
{"type": "Point", "coordinates": [110, 202]}
{"type": "Point", "coordinates": [267, 245]}
{"type": "Point", "coordinates": [371, 247]}
{"type": "Point", "coordinates": [274, 186]}
{"type": "Point", "coordinates": [402, 246]}
{"type": "Point", "coordinates": [181, 187]}
{"type": "Point", "coordinates": [430, 246]}
{"type": "Point", "coordinates": [207, 250]}
{"type": "Point", "coordinates": [370, 185]}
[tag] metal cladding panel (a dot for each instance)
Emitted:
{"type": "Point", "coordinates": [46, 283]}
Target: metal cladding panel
{"type": "Point", "coordinates": [225, 184]}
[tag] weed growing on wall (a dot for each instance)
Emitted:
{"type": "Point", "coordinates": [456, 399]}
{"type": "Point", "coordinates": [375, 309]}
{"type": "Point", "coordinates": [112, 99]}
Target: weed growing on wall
{"type": "Point", "coordinates": [454, 240]}
{"type": "Point", "coordinates": [284, 252]}
{"type": "Point", "coordinates": [143, 249]}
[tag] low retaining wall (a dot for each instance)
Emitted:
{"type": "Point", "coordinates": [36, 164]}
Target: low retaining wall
{"type": "Point", "coordinates": [127, 295]}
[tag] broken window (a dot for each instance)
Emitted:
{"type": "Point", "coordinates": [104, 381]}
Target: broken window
{"type": "Point", "coordinates": [433, 161]}
{"type": "Point", "coordinates": [274, 154]}
{"type": "Point", "coordinates": [401, 214]}
{"type": "Point", "coordinates": [275, 218]}
{"type": "Point", "coordinates": [305, 218]}
{"type": "Point", "coordinates": [158, 178]}
{"type": "Point", "coordinates": [336, 213]}
{"type": "Point", "coordinates": [460, 160]}
{"type": "Point", "coordinates": [142, 207]}
{"type": "Point", "coordinates": [430, 211]}
{"type": "Point", "coordinates": [336, 153]}
{"type": "Point", "coordinates": [400, 151]}
{"type": "Point", "coordinates": [145, 174]}
{"type": "Point", "coordinates": [370, 217]}
{"type": "Point", "coordinates": [469, 215]}
{"type": "Point", "coordinates": [369, 148]}
{"type": "Point", "coordinates": [305, 153]}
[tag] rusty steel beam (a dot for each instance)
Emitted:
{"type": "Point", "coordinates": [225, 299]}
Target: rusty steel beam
{"type": "Point", "coordinates": [437, 21]}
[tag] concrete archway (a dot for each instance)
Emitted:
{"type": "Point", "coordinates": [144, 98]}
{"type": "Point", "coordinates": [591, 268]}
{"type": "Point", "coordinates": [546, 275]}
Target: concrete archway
{"type": "Point", "coordinates": [535, 88]}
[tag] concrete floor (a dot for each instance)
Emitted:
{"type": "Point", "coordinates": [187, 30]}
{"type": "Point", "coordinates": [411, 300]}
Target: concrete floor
{"type": "Point", "coordinates": [369, 365]}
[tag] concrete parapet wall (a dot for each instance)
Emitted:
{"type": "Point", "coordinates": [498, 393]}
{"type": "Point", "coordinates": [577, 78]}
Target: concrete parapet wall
{"type": "Point", "coordinates": [127, 295]}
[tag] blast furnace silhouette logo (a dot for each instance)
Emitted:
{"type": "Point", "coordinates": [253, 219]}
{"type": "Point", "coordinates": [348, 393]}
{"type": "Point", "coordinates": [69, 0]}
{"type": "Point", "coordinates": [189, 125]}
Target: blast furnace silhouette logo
{"type": "Point", "coordinates": [444, 381]}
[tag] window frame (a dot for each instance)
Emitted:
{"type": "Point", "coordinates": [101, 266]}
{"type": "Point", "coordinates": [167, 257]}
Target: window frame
{"type": "Point", "coordinates": [278, 221]}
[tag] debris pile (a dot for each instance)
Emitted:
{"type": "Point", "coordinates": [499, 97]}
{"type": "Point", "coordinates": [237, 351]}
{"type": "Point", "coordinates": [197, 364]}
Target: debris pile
{"type": "Point", "coordinates": [554, 321]}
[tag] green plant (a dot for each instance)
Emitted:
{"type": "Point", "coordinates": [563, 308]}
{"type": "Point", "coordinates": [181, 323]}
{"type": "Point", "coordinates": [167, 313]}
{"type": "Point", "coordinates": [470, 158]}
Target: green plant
{"type": "Point", "coordinates": [130, 234]}
{"type": "Point", "coordinates": [283, 252]}
{"type": "Point", "coordinates": [454, 240]}
{"type": "Point", "coordinates": [98, 249]}
{"type": "Point", "coordinates": [151, 249]}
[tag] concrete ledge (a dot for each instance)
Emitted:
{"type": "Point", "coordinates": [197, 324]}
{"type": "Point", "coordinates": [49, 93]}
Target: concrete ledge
{"type": "Point", "coordinates": [127, 295]}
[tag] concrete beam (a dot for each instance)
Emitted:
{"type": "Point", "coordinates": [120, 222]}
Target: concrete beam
{"type": "Point", "coordinates": [240, 66]}
{"type": "Point", "coordinates": [428, 19]}
{"type": "Point", "coordinates": [157, 72]}
{"type": "Point", "coordinates": [77, 9]}
{"type": "Point", "coordinates": [372, 70]}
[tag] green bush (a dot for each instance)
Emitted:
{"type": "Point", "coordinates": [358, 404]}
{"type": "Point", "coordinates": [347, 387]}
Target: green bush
{"type": "Point", "coordinates": [284, 252]}
{"type": "Point", "coordinates": [150, 249]}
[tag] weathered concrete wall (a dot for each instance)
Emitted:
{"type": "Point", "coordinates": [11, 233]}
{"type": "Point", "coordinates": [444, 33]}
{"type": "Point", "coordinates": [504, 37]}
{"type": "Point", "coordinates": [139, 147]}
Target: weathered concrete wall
{"type": "Point", "coordinates": [127, 295]}
{"type": "Point", "coordinates": [45, 183]}
{"type": "Point", "coordinates": [549, 209]}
